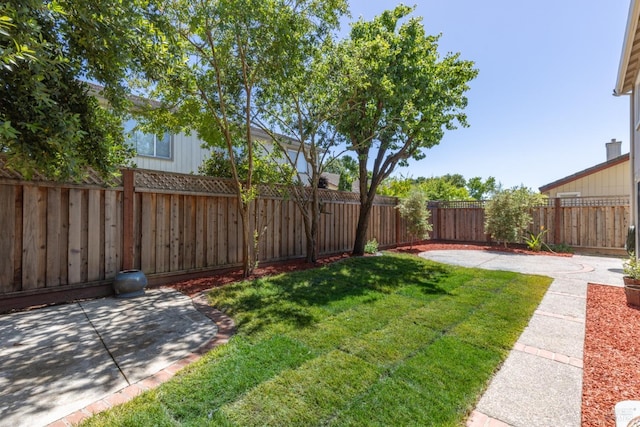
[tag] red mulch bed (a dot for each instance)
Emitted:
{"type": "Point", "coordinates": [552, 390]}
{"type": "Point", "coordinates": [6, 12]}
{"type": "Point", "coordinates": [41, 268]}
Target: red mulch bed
{"type": "Point", "coordinates": [611, 355]}
{"type": "Point", "coordinates": [194, 286]}
{"type": "Point", "coordinates": [433, 246]}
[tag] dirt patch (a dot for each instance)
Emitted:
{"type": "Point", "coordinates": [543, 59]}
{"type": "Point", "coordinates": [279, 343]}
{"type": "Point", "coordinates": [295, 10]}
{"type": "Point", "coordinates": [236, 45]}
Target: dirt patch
{"type": "Point", "coordinates": [611, 355]}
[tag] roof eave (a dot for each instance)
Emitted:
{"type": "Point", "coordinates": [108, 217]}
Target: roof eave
{"type": "Point", "coordinates": [585, 172]}
{"type": "Point", "coordinates": [623, 85]}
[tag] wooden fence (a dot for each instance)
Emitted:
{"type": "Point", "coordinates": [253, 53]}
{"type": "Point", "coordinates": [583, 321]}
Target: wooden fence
{"type": "Point", "coordinates": [596, 224]}
{"type": "Point", "coordinates": [66, 241]}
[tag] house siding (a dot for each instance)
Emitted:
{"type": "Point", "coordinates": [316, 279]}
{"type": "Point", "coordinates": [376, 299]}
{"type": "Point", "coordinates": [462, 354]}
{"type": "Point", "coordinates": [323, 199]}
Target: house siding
{"type": "Point", "coordinates": [186, 156]}
{"type": "Point", "coordinates": [612, 181]}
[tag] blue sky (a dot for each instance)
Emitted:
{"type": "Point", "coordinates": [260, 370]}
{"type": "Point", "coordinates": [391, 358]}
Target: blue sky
{"type": "Point", "coordinates": [542, 106]}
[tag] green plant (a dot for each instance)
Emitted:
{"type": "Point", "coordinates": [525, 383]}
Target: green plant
{"type": "Point", "coordinates": [630, 243]}
{"type": "Point", "coordinates": [508, 214]}
{"type": "Point", "coordinates": [631, 266]}
{"type": "Point", "coordinates": [371, 247]}
{"type": "Point", "coordinates": [534, 241]}
{"type": "Point", "coordinates": [394, 97]}
{"type": "Point", "coordinates": [414, 211]}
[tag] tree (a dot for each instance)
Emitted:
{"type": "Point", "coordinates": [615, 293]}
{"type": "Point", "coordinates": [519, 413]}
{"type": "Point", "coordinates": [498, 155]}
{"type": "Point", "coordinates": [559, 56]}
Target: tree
{"type": "Point", "coordinates": [508, 214]}
{"type": "Point", "coordinates": [455, 180]}
{"type": "Point", "coordinates": [442, 188]}
{"type": "Point", "coordinates": [480, 190]}
{"type": "Point", "coordinates": [299, 104]}
{"type": "Point", "coordinates": [414, 211]}
{"type": "Point", "coordinates": [233, 50]}
{"type": "Point", "coordinates": [397, 187]}
{"type": "Point", "coordinates": [48, 121]}
{"type": "Point", "coordinates": [396, 96]}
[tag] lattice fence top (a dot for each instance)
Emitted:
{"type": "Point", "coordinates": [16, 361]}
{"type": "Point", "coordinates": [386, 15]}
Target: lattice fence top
{"type": "Point", "coordinates": [550, 202]}
{"type": "Point", "coordinates": [457, 204]}
{"type": "Point", "coordinates": [595, 201]}
{"type": "Point", "coordinates": [155, 180]}
{"type": "Point", "coordinates": [174, 182]}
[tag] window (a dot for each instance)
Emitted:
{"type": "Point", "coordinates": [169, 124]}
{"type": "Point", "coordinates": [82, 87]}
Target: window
{"type": "Point", "coordinates": [147, 144]}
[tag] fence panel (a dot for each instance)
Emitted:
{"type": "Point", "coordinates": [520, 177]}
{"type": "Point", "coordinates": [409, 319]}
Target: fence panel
{"type": "Point", "coordinates": [588, 223]}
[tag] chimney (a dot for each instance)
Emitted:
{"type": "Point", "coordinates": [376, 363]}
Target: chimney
{"type": "Point", "coordinates": [614, 149]}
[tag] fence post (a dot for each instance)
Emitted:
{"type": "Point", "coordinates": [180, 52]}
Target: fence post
{"type": "Point", "coordinates": [128, 183]}
{"type": "Point", "coordinates": [395, 208]}
{"type": "Point", "coordinates": [557, 218]}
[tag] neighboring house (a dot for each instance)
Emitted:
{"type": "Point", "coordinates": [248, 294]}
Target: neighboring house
{"type": "Point", "coordinates": [181, 153]}
{"type": "Point", "coordinates": [610, 178]}
{"type": "Point", "coordinates": [628, 83]}
{"type": "Point", "coordinates": [333, 180]}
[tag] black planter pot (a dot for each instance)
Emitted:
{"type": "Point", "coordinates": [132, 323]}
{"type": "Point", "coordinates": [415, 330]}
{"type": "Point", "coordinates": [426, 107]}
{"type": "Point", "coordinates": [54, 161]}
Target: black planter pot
{"type": "Point", "coordinates": [129, 284]}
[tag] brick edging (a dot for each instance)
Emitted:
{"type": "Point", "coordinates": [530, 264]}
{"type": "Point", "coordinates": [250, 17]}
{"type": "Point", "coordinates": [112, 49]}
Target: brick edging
{"type": "Point", "coordinates": [556, 357]}
{"type": "Point", "coordinates": [226, 329]}
{"type": "Point", "coordinates": [478, 419]}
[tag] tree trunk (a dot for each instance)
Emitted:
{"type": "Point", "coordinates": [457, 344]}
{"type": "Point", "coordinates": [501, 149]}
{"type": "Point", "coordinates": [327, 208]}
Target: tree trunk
{"type": "Point", "coordinates": [311, 219]}
{"type": "Point", "coordinates": [247, 243]}
{"type": "Point", "coordinates": [312, 250]}
{"type": "Point", "coordinates": [363, 226]}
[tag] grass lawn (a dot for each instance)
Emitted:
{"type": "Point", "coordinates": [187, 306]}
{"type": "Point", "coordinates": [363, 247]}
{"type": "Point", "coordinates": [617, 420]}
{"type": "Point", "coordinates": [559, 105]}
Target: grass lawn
{"type": "Point", "coordinates": [388, 340]}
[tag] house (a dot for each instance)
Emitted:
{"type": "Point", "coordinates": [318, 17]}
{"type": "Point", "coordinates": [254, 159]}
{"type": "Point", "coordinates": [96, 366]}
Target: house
{"type": "Point", "coordinates": [333, 180]}
{"type": "Point", "coordinates": [182, 153]}
{"type": "Point", "coordinates": [610, 178]}
{"type": "Point", "coordinates": [628, 83]}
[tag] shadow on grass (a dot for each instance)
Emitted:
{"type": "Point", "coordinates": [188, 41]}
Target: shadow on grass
{"type": "Point", "coordinates": [300, 299]}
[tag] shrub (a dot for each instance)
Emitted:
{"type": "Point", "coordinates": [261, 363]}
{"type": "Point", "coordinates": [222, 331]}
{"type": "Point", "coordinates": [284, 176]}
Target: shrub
{"type": "Point", "coordinates": [507, 214]}
{"type": "Point", "coordinates": [413, 210]}
{"type": "Point", "coordinates": [371, 247]}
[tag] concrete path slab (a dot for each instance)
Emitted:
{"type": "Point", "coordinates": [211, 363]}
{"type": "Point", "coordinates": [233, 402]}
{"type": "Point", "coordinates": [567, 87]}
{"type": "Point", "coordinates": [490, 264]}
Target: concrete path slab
{"type": "Point", "coordinates": [540, 383]}
{"type": "Point", "coordinates": [561, 336]}
{"type": "Point", "coordinates": [57, 360]}
{"type": "Point", "coordinates": [533, 391]}
{"type": "Point", "coordinates": [143, 338]}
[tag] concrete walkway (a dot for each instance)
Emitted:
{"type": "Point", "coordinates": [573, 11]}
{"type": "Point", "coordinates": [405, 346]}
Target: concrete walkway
{"type": "Point", "coordinates": [540, 383]}
{"type": "Point", "coordinates": [61, 364]}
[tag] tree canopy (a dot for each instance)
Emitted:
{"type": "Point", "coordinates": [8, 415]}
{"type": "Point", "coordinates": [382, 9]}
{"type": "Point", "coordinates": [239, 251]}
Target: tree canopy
{"type": "Point", "coordinates": [446, 187]}
{"type": "Point", "coordinates": [48, 121]}
{"type": "Point", "coordinates": [397, 97]}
